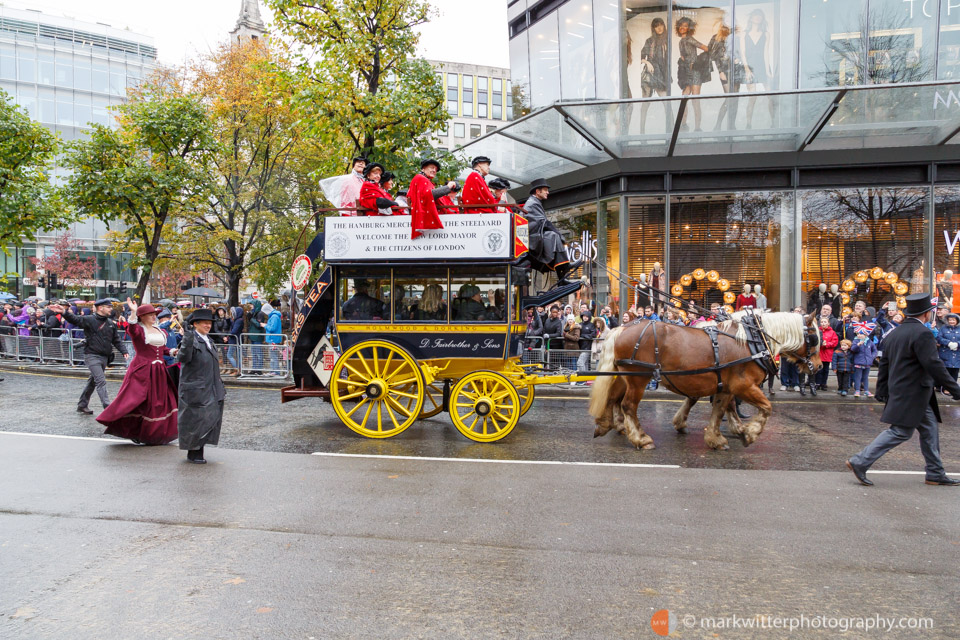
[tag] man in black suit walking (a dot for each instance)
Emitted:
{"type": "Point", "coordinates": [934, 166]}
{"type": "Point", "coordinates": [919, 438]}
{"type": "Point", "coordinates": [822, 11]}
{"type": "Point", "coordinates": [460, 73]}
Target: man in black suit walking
{"type": "Point", "coordinates": [910, 370]}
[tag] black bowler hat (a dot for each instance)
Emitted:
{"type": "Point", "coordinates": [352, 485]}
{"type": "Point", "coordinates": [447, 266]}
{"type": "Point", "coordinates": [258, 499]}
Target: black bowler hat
{"type": "Point", "coordinates": [402, 192]}
{"type": "Point", "coordinates": [358, 159]}
{"type": "Point", "coordinates": [479, 160]}
{"type": "Point", "coordinates": [498, 183]}
{"type": "Point", "coordinates": [429, 161]}
{"type": "Point", "coordinates": [200, 314]}
{"type": "Point", "coordinates": [539, 183]}
{"type": "Point", "coordinates": [370, 167]}
{"type": "Point", "coordinates": [386, 177]}
{"type": "Point", "coordinates": [918, 304]}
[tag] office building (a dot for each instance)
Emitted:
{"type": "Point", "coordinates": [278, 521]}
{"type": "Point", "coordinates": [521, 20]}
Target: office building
{"type": "Point", "coordinates": [478, 101]}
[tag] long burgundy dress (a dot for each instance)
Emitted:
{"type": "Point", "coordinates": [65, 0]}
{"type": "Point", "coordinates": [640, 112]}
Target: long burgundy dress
{"type": "Point", "coordinates": [145, 409]}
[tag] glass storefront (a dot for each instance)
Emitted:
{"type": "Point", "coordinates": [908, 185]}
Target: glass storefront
{"type": "Point", "coordinates": [648, 48]}
{"type": "Point", "coordinates": [874, 243]}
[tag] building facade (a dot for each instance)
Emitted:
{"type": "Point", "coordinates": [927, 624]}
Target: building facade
{"type": "Point", "coordinates": [478, 101]}
{"type": "Point", "coordinates": [66, 74]}
{"type": "Point", "coordinates": [785, 143]}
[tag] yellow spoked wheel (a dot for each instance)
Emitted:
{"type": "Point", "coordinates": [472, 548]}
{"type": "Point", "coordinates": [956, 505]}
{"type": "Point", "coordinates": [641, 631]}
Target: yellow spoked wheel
{"type": "Point", "coordinates": [484, 406]}
{"type": "Point", "coordinates": [432, 399]}
{"type": "Point", "coordinates": [377, 389]}
{"type": "Point", "coordinates": [527, 394]}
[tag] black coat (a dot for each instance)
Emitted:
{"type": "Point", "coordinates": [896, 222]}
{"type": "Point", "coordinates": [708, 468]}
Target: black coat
{"type": "Point", "coordinates": [101, 333]}
{"type": "Point", "coordinates": [201, 393]}
{"type": "Point", "coordinates": [909, 370]}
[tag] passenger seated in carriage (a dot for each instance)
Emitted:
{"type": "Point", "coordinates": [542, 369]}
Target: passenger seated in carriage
{"type": "Point", "coordinates": [432, 306]}
{"type": "Point", "coordinates": [495, 306]}
{"type": "Point", "coordinates": [363, 306]}
{"type": "Point", "coordinates": [499, 186]}
{"type": "Point", "coordinates": [469, 305]}
{"type": "Point", "coordinates": [547, 251]}
{"type": "Point", "coordinates": [475, 190]}
{"type": "Point", "coordinates": [373, 196]}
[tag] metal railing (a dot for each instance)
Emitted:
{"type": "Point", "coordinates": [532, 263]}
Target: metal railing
{"type": "Point", "coordinates": [252, 356]}
{"type": "Point", "coordinates": [536, 350]}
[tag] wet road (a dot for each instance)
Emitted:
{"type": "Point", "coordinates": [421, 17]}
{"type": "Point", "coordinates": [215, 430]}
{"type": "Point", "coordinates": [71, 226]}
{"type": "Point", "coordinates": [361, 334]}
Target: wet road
{"type": "Point", "coordinates": [801, 435]}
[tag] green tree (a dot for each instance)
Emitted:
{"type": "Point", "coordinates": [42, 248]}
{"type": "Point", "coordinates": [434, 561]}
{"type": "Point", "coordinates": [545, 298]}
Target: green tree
{"type": "Point", "coordinates": [144, 172]}
{"type": "Point", "coordinates": [28, 201]}
{"type": "Point", "coordinates": [360, 81]}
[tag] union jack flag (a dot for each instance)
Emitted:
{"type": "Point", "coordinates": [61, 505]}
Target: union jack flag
{"type": "Point", "coordinates": [864, 327]}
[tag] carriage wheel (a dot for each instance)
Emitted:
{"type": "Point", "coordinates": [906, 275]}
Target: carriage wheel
{"type": "Point", "coordinates": [484, 406]}
{"type": "Point", "coordinates": [432, 399]}
{"type": "Point", "coordinates": [377, 389]}
{"type": "Point", "coordinates": [527, 394]}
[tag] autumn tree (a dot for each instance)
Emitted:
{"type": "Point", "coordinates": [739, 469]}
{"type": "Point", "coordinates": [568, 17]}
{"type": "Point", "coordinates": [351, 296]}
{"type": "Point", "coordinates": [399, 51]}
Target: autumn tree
{"type": "Point", "coordinates": [28, 201]}
{"type": "Point", "coordinates": [257, 172]}
{"type": "Point", "coordinates": [361, 80]}
{"type": "Point", "coordinates": [144, 172]}
{"type": "Point", "coordinates": [64, 260]}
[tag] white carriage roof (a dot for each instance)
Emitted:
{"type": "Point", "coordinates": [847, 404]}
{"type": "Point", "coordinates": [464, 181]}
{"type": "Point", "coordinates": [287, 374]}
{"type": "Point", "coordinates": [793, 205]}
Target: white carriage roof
{"type": "Point", "coordinates": [570, 136]}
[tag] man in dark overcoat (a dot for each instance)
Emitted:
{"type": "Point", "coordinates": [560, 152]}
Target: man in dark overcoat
{"type": "Point", "coordinates": [546, 241]}
{"type": "Point", "coordinates": [910, 370]}
{"type": "Point", "coordinates": [201, 393]}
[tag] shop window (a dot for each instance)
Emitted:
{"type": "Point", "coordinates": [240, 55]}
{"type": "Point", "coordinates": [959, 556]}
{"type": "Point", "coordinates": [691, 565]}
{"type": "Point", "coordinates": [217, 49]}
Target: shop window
{"type": "Point", "coordinates": [480, 297]}
{"type": "Point", "coordinates": [702, 32]}
{"type": "Point", "coordinates": [831, 43]}
{"type": "Point", "coordinates": [364, 297]}
{"type": "Point", "coordinates": [764, 43]}
{"type": "Point", "coordinates": [848, 231]}
{"type": "Point", "coordinates": [647, 41]}
{"type": "Point", "coordinates": [421, 295]}
{"type": "Point", "coordinates": [607, 54]}
{"type": "Point", "coordinates": [948, 64]}
{"type": "Point", "coordinates": [577, 80]}
{"type": "Point", "coordinates": [519, 66]}
{"type": "Point", "coordinates": [946, 249]}
{"type": "Point", "coordinates": [902, 41]}
{"type": "Point", "coordinates": [646, 235]}
{"type": "Point", "coordinates": [735, 234]}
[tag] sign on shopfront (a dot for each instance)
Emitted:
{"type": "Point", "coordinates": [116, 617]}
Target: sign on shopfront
{"type": "Point", "coordinates": [951, 244]}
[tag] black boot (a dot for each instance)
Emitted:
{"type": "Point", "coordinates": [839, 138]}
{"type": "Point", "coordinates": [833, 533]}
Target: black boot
{"type": "Point", "coordinates": [742, 415]}
{"type": "Point", "coordinates": [813, 390]}
{"type": "Point", "coordinates": [196, 456]}
{"type": "Point", "coordinates": [802, 392]}
{"type": "Point", "coordinates": [562, 271]}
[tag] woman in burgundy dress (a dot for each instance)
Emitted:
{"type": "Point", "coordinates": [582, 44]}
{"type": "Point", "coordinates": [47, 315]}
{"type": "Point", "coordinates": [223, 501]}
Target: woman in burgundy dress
{"type": "Point", "coordinates": [145, 409]}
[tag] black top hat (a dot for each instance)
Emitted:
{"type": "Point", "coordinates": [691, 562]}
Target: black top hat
{"type": "Point", "coordinates": [479, 160]}
{"type": "Point", "coordinates": [499, 183]}
{"type": "Point", "coordinates": [357, 159]}
{"type": "Point", "coordinates": [402, 192]}
{"type": "Point", "coordinates": [918, 304]}
{"type": "Point", "coordinates": [428, 161]}
{"type": "Point", "coordinates": [370, 167]}
{"type": "Point", "coordinates": [200, 314]}
{"type": "Point", "coordinates": [539, 183]}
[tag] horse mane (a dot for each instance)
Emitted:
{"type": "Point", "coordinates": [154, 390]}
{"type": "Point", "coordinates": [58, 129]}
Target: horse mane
{"type": "Point", "coordinates": [786, 329]}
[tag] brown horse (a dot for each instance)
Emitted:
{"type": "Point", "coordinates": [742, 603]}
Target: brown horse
{"type": "Point", "coordinates": [793, 336]}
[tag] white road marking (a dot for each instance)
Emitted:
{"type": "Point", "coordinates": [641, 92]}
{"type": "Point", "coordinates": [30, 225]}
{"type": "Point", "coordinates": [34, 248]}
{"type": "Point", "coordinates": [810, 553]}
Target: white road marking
{"type": "Point", "coordinates": [53, 435]}
{"type": "Point", "coordinates": [547, 462]}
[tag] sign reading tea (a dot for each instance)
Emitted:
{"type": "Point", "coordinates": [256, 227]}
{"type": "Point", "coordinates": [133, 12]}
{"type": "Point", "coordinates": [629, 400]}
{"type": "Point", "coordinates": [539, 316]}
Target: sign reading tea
{"type": "Point", "coordinates": [464, 236]}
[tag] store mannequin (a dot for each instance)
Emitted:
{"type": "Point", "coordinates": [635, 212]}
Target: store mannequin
{"type": "Point", "coordinates": [657, 280]}
{"type": "Point", "coordinates": [756, 43]}
{"type": "Point", "coordinates": [642, 292]}
{"type": "Point", "coordinates": [746, 299]}
{"type": "Point", "coordinates": [816, 299]}
{"type": "Point", "coordinates": [945, 286]}
{"type": "Point", "coordinates": [835, 300]}
{"type": "Point", "coordinates": [761, 299]}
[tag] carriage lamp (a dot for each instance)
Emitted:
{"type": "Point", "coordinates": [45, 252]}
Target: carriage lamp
{"type": "Point", "coordinates": [723, 284]}
{"type": "Point", "coordinates": [686, 280]}
{"type": "Point", "coordinates": [848, 285]}
{"type": "Point", "coordinates": [729, 297]}
{"type": "Point", "coordinates": [713, 276]}
{"type": "Point", "coordinates": [845, 298]}
{"type": "Point", "coordinates": [876, 273]}
{"type": "Point", "coordinates": [891, 278]}
{"type": "Point", "coordinates": [676, 290]}
{"type": "Point", "coordinates": [861, 277]}
{"type": "Point", "coordinates": [901, 288]}
{"type": "Point", "coordinates": [699, 274]}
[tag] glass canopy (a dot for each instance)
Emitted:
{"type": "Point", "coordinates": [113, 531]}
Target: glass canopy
{"type": "Point", "coordinates": [569, 136]}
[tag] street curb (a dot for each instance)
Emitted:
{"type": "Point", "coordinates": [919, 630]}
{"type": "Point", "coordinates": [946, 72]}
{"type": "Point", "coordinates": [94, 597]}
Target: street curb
{"type": "Point", "coordinates": [117, 373]}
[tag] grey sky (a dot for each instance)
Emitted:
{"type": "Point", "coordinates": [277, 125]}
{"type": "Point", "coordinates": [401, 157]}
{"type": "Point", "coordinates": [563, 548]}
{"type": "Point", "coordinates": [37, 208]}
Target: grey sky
{"type": "Point", "coordinates": [472, 32]}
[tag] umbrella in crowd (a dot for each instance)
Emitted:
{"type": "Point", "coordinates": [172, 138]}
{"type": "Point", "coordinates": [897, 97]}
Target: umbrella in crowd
{"type": "Point", "coordinates": [167, 302]}
{"type": "Point", "coordinates": [7, 296]}
{"type": "Point", "coordinates": [202, 292]}
{"type": "Point", "coordinates": [112, 299]}
{"type": "Point", "coordinates": [75, 300]}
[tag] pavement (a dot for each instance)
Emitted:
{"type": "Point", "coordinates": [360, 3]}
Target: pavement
{"type": "Point", "coordinates": [103, 539]}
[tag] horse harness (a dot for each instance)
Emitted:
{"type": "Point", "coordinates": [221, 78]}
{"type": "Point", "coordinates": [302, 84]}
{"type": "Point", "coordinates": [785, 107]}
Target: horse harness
{"type": "Point", "coordinates": [756, 341]}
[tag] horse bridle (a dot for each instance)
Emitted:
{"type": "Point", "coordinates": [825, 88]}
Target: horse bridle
{"type": "Point", "coordinates": [811, 341]}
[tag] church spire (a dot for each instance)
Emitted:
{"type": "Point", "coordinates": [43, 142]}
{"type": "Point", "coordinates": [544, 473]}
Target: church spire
{"type": "Point", "coordinates": [249, 25]}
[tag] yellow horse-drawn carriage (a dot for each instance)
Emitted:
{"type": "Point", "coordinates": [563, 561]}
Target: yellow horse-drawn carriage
{"type": "Point", "coordinates": [396, 330]}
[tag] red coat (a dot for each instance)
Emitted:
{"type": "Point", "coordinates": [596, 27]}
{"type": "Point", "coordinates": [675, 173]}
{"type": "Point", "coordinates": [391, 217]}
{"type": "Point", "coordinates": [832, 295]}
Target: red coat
{"type": "Point", "coordinates": [423, 207]}
{"type": "Point", "coordinates": [145, 408]}
{"type": "Point", "coordinates": [746, 301]}
{"type": "Point", "coordinates": [369, 193]}
{"type": "Point", "coordinates": [476, 192]}
{"type": "Point", "coordinates": [829, 345]}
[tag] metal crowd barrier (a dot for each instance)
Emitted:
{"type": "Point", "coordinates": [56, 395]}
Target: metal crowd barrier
{"type": "Point", "coordinates": [61, 346]}
{"type": "Point", "coordinates": [536, 350]}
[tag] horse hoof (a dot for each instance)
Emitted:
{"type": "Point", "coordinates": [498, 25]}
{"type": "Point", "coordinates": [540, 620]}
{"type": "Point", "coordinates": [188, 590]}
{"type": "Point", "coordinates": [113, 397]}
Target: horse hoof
{"type": "Point", "coordinates": [682, 430]}
{"type": "Point", "coordinates": [649, 446]}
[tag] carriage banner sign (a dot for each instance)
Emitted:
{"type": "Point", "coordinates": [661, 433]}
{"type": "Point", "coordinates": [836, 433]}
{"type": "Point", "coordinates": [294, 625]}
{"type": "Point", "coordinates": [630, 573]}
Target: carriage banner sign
{"type": "Point", "coordinates": [481, 236]}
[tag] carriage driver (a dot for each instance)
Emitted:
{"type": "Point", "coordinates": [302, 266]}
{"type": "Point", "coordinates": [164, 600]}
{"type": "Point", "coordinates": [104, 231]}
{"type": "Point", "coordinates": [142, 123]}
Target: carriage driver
{"type": "Point", "coordinates": [475, 190]}
{"type": "Point", "coordinates": [546, 241]}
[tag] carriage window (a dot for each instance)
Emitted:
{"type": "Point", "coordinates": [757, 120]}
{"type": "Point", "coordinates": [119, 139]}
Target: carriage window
{"type": "Point", "coordinates": [479, 298]}
{"type": "Point", "coordinates": [422, 295]}
{"type": "Point", "coordinates": [364, 297]}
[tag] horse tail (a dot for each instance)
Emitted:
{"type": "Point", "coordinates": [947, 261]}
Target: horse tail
{"type": "Point", "coordinates": [600, 392]}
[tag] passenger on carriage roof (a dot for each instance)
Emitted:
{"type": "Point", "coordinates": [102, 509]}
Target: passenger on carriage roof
{"type": "Point", "coordinates": [499, 186]}
{"type": "Point", "coordinates": [426, 198]}
{"type": "Point", "coordinates": [373, 197]}
{"type": "Point", "coordinates": [352, 185]}
{"type": "Point", "coordinates": [363, 306]}
{"type": "Point", "coordinates": [475, 189]}
{"type": "Point", "coordinates": [546, 241]}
